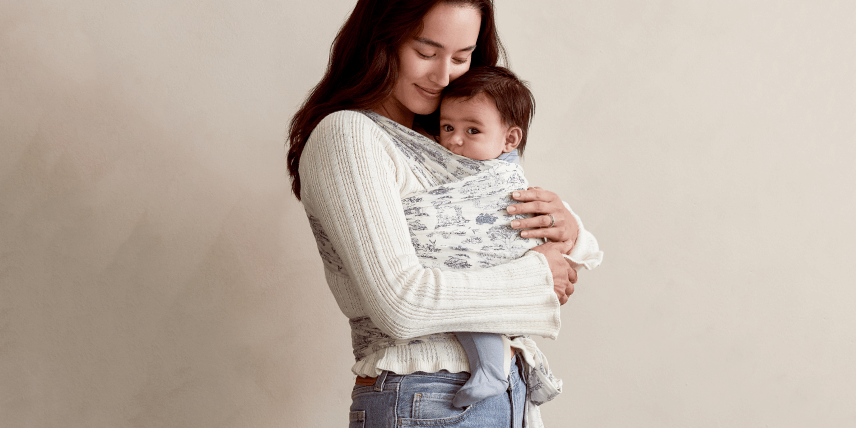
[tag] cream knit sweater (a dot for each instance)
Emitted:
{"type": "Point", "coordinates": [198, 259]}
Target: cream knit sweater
{"type": "Point", "coordinates": [353, 179]}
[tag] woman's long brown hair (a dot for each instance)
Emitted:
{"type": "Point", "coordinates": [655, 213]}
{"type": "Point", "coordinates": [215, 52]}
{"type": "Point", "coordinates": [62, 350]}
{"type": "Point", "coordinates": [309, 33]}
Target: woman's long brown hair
{"type": "Point", "coordinates": [363, 65]}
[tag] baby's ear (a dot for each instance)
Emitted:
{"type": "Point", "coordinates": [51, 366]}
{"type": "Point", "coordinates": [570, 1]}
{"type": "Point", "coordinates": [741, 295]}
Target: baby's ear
{"type": "Point", "coordinates": [512, 138]}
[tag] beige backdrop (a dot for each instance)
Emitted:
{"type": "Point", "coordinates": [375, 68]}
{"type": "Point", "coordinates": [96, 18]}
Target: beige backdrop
{"type": "Point", "coordinates": [155, 271]}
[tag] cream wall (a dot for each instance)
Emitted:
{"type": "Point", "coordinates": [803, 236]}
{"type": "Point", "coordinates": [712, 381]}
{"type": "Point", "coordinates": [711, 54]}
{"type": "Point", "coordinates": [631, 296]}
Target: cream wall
{"type": "Point", "coordinates": [155, 271]}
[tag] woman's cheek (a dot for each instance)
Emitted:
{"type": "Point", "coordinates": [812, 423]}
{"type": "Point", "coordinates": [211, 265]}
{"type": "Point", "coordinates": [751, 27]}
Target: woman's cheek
{"type": "Point", "coordinates": [460, 70]}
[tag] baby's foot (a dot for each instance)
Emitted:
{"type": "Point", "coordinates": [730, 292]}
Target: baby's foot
{"type": "Point", "coordinates": [484, 383]}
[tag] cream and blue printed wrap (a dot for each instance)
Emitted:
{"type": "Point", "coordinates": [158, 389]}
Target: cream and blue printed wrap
{"type": "Point", "coordinates": [463, 224]}
{"type": "Point", "coordinates": [460, 222]}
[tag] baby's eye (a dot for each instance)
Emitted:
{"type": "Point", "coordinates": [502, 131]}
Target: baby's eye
{"type": "Point", "coordinates": [472, 131]}
{"type": "Point", "coordinates": [448, 128]}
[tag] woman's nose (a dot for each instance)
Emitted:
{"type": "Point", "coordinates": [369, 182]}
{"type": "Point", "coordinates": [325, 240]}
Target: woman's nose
{"type": "Point", "coordinates": [441, 72]}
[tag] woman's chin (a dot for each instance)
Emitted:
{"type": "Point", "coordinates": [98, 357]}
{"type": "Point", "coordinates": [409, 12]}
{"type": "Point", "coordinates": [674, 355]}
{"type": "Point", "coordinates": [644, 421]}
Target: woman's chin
{"type": "Point", "coordinates": [425, 108]}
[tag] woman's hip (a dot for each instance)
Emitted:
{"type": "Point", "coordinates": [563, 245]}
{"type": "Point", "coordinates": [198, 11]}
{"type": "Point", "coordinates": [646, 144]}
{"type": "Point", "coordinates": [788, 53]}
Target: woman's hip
{"type": "Point", "coordinates": [425, 399]}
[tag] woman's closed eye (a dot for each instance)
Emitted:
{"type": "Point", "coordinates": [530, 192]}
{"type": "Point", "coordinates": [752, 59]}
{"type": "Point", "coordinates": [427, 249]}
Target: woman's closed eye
{"type": "Point", "coordinates": [456, 61]}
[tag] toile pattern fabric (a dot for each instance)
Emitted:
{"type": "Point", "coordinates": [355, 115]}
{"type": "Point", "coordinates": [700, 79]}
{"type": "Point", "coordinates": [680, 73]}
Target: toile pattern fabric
{"type": "Point", "coordinates": [541, 385]}
{"type": "Point", "coordinates": [459, 221]}
{"type": "Point", "coordinates": [463, 224]}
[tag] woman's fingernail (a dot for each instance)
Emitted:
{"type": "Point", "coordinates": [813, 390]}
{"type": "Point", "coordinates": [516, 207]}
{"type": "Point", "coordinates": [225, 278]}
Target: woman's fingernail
{"type": "Point", "coordinates": [524, 234]}
{"type": "Point", "coordinates": [511, 209]}
{"type": "Point", "coordinates": [515, 223]}
{"type": "Point", "coordinates": [516, 194]}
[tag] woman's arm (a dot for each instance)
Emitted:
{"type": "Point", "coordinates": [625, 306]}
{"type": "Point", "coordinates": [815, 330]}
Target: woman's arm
{"type": "Point", "coordinates": [350, 182]}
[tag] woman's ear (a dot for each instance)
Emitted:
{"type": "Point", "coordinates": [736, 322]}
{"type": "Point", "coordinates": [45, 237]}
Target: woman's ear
{"type": "Point", "coordinates": [512, 138]}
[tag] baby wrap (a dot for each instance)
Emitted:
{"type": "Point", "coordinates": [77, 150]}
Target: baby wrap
{"type": "Point", "coordinates": [463, 224]}
{"type": "Point", "coordinates": [460, 222]}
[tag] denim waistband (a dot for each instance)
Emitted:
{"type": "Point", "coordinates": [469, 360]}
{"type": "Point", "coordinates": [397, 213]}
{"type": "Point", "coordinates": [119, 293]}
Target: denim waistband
{"type": "Point", "coordinates": [387, 377]}
{"type": "Point", "coordinates": [445, 374]}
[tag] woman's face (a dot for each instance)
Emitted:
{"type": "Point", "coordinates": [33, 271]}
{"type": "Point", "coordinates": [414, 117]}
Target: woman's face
{"type": "Point", "coordinates": [437, 55]}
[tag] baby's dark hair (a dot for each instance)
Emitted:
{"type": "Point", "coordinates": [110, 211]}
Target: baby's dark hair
{"type": "Point", "coordinates": [513, 99]}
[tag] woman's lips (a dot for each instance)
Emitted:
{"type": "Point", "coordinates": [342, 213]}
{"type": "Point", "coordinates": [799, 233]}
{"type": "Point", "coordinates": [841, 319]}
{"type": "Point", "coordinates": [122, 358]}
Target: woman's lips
{"type": "Point", "coordinates": [429, 93]}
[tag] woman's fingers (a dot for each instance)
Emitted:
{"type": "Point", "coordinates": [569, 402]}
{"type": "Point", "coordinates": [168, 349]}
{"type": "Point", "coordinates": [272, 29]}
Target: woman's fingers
{"type": "Point", "coordinates": [534, 194]}
{"type": "Point", "coordinates": [563, 274]}
{"type": "Point", "coordinates": [543, 226]}
{"type": "Point", "coordinates": [572, 277]}
{"type": "Point", "coordinates": [534, 207]}
{"type": "Point", "coordinates": [551, 219]}
{"type": "Point", "coordinates": [541, 221]}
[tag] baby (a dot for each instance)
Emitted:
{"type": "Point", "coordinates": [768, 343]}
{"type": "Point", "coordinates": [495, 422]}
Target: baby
{"type": "Point", "coordinates": [485, 114]}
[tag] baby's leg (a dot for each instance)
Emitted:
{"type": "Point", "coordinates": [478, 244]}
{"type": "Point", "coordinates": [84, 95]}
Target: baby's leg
{"type": "Point", "coordinates": [487, 378]}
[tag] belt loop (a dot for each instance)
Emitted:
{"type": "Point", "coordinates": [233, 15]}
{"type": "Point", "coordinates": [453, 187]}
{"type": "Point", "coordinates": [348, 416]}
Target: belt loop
{"type": "Point", "coordinates": [381, 379]}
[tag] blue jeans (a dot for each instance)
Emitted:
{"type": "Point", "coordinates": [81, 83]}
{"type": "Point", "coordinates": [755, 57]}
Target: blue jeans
{"type": "Point", "coordinates": [425, 400]}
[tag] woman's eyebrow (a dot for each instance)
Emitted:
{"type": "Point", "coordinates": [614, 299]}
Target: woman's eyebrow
{"type": "Point", "coordinates": [430, 42]}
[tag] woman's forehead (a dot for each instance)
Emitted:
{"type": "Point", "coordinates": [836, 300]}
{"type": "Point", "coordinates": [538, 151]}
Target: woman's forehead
{"type": "Point", "coordinates": [452, 27]}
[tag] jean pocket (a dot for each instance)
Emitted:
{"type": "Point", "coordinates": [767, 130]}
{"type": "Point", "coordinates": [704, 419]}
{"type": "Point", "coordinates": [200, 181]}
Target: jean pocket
{"type": "Point", "coordinates": [435, 408]}
{"type": "Point", "coordinates": [360, 390]}
{"type": "Point", "coordinates": [357, 419]}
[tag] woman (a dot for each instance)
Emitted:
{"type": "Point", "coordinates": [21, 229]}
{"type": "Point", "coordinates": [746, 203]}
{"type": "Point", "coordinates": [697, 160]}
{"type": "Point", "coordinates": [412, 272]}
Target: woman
{"type": "Point", "coordinates": [394, 58]}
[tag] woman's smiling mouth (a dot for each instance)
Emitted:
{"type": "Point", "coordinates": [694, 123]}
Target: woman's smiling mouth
{"type": "Point", "coordinates": [429, 93]}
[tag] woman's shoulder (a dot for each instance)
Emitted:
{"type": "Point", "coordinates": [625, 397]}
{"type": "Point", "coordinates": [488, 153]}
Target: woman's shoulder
{"type": "Point", "coordinates": [347, 133]}
{"type": "Point", "coordinates": [346, 120]}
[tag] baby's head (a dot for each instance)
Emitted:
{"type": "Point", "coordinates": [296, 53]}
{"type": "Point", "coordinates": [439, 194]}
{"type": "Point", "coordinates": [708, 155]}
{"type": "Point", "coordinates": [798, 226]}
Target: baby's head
{"type": "Point", "coordinates": [485, 113]}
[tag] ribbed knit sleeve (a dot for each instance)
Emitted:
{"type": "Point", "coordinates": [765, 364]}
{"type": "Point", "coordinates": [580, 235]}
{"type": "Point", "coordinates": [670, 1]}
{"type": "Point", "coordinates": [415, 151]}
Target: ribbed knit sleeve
{"type": "Point", "coordinates": [352, 183]}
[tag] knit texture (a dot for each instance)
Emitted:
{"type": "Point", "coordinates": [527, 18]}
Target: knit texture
{"type": "Point", "coordinates": [353, 179]}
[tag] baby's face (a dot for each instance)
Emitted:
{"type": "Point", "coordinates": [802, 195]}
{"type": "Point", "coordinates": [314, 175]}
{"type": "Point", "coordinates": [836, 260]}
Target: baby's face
{"type": "Point", "coordinates": [473, 128]}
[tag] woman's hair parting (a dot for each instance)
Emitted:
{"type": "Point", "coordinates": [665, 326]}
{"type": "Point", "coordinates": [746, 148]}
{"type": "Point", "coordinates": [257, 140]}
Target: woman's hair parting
{"type": "Point", "coordinates": [513, 99]}
{"type": "Point", "coordinates": [363, 65]}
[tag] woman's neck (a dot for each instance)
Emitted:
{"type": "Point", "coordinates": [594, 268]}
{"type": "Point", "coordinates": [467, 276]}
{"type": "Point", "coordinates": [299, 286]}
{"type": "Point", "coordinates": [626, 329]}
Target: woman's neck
{"type": "Point", "coordinates": [394, 110]}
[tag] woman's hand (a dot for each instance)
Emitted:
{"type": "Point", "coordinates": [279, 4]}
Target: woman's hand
{"type": "Point", "coordinates": [564, 276]}
{"type": "Point", "coordinates": [545, 206]}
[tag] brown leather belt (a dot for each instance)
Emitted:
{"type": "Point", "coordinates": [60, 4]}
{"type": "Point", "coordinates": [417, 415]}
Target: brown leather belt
{"type": "Point", "coordinates": [366, 380]}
